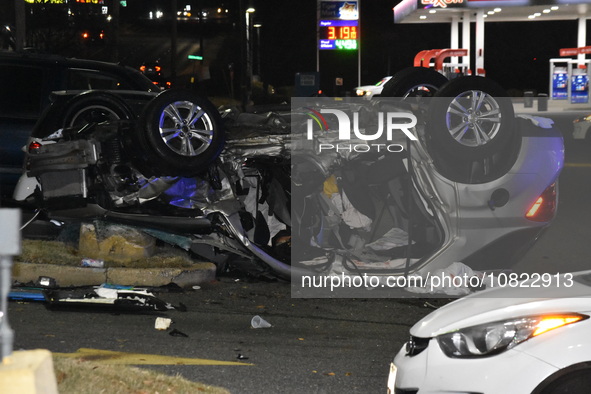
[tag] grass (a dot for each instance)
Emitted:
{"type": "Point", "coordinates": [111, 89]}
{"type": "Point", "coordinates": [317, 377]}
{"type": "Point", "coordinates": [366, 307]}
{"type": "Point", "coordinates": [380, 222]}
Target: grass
{"type": "Point", "coordinates": [60, 253]}
{"type": "Point", "coordinates": [84, 377]}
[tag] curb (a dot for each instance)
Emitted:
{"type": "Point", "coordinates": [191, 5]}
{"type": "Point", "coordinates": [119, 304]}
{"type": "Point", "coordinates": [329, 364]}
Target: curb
{"type": "Point", "coordinates": [68, 276]}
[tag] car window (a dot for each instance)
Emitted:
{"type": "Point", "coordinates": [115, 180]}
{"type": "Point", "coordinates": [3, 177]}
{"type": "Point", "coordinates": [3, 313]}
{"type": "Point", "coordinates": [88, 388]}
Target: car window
{"type": "Point", "coordinates": [81, 79]}
{"type": "Point", "coordinates": [21, 93]}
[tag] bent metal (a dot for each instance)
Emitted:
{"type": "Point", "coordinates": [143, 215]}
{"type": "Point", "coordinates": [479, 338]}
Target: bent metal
{"type": "Point", "coordinates": [408, 121]}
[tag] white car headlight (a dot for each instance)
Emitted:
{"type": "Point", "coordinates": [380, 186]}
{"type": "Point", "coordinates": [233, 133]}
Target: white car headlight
{"type": "Point", "coordinates": [496, 337]}
{"type": "Point", "coordinates": [360, 92]}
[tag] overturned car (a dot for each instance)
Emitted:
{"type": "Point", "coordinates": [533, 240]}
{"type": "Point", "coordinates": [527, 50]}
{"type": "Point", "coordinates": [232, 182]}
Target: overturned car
{"type": "Point", "coordinates": [462, 180]}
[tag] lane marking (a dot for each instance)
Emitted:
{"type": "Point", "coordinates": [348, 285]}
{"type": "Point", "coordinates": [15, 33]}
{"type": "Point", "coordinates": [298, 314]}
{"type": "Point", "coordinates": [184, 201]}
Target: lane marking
{"type": "Point", "coordinates": [577, 164]}
{"type": "Point", "coordinates": [122, 358]}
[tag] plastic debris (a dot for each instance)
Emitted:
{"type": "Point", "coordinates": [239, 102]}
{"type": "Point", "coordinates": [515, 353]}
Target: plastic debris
{"type": "Point", "coordinates": [105, 241]}
{"type": "Point", "coordinates": [394, 238]}
{"type": "Point", "coordinates": [26, 294]}
{"type": "Point", "coordinates": [107, 296]}
{"type": "Point", "coordinates": [544, 123]}
{"type": "Point", "coordinates": [259, 322]}
{"type": "Point", "coordinates": [93, 263]}
{"type": "Point", "coordinates": [47, 282]}
{"type": "Point", "coordinates": [162, 323]}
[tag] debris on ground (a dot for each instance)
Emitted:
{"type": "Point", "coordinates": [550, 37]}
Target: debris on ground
{"type": "Point", "coordinates": [259, 322]}
{"type": "Point", "coordinates": [109, 297]}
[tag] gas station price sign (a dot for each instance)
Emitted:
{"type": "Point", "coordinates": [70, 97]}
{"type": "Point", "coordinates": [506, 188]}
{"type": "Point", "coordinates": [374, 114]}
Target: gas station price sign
{"type": "Point", "coordinates": [338, 34]}
{"type": "Point", "coordinates": [338, 24]}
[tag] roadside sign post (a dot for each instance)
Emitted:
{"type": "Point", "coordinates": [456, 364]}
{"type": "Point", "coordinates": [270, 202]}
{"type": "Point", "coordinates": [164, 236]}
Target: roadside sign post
{"type": "Point", "coordinates": [10, 245]}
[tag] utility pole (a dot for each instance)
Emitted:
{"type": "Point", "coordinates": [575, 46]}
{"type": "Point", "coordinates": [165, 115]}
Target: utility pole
{"type": "Point", "coordinates": [19, 12]}
{"type": "Point", "coordinates": [173, 41]}
{"type": "Point", "coordinates": [115, 32]}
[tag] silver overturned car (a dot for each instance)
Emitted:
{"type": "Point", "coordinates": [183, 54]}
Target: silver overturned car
{"type": "Point", "coordinates": [413, 186]}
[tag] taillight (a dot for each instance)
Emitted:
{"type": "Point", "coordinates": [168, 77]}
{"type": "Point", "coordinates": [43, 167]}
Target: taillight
{"type": "Point", "coordinates": [34, 145]}
{"type": "Point", "coordinates": [543, 209]}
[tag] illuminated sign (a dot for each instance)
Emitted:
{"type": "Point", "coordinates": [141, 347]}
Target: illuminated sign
{"type": "Point", "coordinates": [333, 30]}
{"type": "Point", "coordinates": [344, 10]}
{"type": "Point", "coordinates": [440, 3]}
{"type": "Point", "coordinates": [338, 44]}
{"type": "Point", "coordinates": [486, 3]}
{"type": "Point", "coordinates": [50, 1]}
{"type": "Point", "coordinates": [338, 27]}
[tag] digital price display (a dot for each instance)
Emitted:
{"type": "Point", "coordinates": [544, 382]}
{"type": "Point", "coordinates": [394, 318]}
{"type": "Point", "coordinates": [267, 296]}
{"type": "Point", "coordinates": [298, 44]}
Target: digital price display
{"type": "Point", "coordinates": [338, 34]}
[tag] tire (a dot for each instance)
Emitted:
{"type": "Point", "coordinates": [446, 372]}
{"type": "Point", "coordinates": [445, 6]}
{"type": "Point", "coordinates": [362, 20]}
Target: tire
{"type": "Point", "coordinates": [470, 118]}
{"type": "Point", "coordinates": [95, 107]}
{"type": "Point", "coordinates": [414, 82]}
{"type": "Point", "coordinates": [180, 133]}
{"type": "Point", "coordinates": [575, 382]}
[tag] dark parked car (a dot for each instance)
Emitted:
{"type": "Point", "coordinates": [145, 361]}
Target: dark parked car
{"type": "Point", "coordinates": [27, 81]}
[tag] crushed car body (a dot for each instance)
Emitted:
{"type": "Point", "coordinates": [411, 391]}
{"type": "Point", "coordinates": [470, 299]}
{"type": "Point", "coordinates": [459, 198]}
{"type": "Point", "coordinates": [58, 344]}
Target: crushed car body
{"type": "Point", "coordinates": [254, 188]}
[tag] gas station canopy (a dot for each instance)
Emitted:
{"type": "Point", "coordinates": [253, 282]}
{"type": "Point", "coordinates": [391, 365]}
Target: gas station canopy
{"type": "Point", "coordinates": [444, 11]}
{"type": "Point", "coordinates": [569, 78]}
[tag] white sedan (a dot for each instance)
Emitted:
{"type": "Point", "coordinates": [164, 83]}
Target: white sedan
{"type": "Point", "coordinates": [368, 91]}
{"type": "Point", "coordinates": [503, 340]}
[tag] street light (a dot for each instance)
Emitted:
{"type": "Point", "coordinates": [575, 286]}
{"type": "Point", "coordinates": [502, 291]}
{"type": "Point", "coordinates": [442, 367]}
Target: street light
{"type": "Point", "coordinates": [249, 11]}
{"type": "Point", "coordinates": [258, 26]}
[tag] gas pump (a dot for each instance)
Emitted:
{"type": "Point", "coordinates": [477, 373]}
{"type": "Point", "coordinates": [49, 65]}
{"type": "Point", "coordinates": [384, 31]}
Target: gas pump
{"type": "Point", "coordinates": [569, 78]}
{"type": "Point", "coordinates": [579, 85]}
{"type": "Point", "coordinates": [559, 79]}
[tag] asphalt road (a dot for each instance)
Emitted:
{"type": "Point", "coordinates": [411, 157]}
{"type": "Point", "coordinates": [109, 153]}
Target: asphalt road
{"type": "Point", "coordinates": [565, 245]}
{"type": "Point", "coordinates": [313, 346]}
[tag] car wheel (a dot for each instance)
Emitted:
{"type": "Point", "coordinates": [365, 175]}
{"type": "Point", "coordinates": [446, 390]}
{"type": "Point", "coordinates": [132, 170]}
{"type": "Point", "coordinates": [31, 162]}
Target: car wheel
{"type": "Point", "coordinates": [180, 133]}
{"type": "Point", "coordinates": [470, 118]}
{"type": "Point", "coordinates": [414, 82]}
{"type": "Point", "coordinates": [576, 382]}
{"type": "Point", "coordinates": [95, 107]}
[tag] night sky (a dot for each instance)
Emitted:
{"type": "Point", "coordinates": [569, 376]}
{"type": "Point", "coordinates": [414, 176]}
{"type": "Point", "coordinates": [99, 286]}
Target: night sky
{"type": "Point", "coordinates": [516, 56]}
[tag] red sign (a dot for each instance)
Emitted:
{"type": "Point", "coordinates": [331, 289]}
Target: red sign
{"type": "Point", "coordinates": [441, 3]}
{"type": "Point", "coordinates": [575, 51]}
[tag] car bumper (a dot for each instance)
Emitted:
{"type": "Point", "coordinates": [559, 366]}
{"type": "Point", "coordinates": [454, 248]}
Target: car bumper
{"type": "Point", "coordinates": [580, 130]}
{"type": "Point", "coordinates": [431, 372]}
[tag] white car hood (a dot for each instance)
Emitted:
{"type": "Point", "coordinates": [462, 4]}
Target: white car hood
{"type": "Point", "coordinates": [508, 302]}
